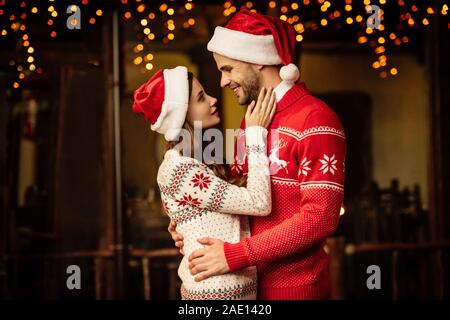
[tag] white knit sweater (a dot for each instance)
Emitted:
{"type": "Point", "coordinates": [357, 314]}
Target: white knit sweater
{"type": "Point", "coordinates": [204, 205]}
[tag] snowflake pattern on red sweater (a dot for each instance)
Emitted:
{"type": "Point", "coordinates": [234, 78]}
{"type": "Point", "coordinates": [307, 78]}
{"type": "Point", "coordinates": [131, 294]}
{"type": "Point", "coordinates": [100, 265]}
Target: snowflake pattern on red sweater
{"type": "Point", "coordinates": [306, 147]}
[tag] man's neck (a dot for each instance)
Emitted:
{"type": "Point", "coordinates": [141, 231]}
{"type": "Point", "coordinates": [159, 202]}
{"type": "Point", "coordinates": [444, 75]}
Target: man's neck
{"type": "Point", "coordinates": [271, 78]}
{"type": "Point", "coordinates": [281, 89]}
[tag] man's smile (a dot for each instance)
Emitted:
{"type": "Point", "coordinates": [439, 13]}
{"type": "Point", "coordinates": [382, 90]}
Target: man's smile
{"type": "Point", "coordinates": [236, 90]}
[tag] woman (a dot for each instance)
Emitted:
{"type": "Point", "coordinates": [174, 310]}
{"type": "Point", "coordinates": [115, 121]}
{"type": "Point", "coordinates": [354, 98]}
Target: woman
{"type": "Point", "coordinates": [201, 198]}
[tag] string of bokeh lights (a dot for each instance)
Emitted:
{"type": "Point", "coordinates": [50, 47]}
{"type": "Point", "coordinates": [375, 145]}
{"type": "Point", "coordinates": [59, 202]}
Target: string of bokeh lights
{"type": "Point", "coordinates": [161, 21]}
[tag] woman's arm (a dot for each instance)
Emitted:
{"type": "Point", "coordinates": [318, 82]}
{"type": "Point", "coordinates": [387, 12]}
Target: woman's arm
{"type": "Point", "coordinates": [194, 184]}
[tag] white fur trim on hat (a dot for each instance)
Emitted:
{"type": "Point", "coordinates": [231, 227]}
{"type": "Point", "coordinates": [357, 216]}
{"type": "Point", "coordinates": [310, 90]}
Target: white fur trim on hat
{"type": "Point", "coordinates": [244, 46]}
{"type": "Point", "coordinates": [175, 105]}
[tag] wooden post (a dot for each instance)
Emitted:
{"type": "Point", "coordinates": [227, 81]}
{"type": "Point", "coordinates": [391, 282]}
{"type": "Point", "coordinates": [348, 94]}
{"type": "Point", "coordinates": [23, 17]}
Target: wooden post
{"type": "Point", "coordinates": [394, 275]}
{"type": "Point", "coordinates": [438, 65]}
{"type": "Point", "coordinates": [146, 278]}
{"type": "Point", "coordinates": [121, 245]}
{"type": "Point", "coordinates": [440, 274]}
{"type": "Point", "coordinates": [4, 190]}
{"type": "Point", "coordinates": [113, 211]}
{"type": "Point", "coordinates": [98, 270]}
{"type": "Point", "coordinates": [335, 248]}
{"type": "Point", "coordinates": [108, 204]}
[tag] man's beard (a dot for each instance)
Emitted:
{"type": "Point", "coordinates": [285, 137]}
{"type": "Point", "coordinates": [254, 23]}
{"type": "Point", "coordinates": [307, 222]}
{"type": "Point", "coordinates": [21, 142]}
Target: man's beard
{"type": "Point", "coordinates": [251, 88]}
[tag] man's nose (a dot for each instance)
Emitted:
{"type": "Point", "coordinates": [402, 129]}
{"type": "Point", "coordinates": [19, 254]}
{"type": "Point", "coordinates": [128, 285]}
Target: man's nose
{"type": "Point", "coordinates": [224, 81]}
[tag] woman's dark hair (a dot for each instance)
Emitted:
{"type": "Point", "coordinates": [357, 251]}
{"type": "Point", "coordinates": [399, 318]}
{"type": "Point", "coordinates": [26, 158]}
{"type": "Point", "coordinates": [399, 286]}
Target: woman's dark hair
{"type": "Point", "coordinates": [220, 170]}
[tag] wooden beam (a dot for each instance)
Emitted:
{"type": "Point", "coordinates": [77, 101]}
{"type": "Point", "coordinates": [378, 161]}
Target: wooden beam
{"type": "Point", "coordinates": [438, 67]}
{"type": "Point", "coordinates": [4, 190]}
{"type": "Point", "coordinates": [351, 249]}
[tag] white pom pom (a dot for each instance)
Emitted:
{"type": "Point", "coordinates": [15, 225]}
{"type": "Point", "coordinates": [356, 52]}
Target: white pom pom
{"type": "Point", "coordinates": [290, 73]}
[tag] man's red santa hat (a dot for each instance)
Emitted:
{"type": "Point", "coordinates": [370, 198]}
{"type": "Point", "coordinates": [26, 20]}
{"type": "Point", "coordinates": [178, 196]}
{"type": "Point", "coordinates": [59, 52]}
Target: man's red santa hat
{"type": "Point", "coordinates": [163, 101]}
{"type": "Point", "coordinates": [259, 39]}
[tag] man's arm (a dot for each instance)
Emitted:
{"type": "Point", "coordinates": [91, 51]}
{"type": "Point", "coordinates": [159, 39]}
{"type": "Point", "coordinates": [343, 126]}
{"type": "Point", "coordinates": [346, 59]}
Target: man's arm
{"type": "Point", "coordinates": [321, 175]}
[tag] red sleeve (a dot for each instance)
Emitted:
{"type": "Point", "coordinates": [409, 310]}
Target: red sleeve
{"type": "Point", "coordinates": [321, 157]}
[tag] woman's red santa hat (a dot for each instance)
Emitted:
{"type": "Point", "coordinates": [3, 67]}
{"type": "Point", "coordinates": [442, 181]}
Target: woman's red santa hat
{"type": "Point", "coordinates": [259, 39]}
{"type": "Point", "coordinates": [163, 101]}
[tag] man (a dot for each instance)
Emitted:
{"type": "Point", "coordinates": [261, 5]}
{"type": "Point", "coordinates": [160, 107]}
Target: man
{"type": "Point", "coordinates": [307, 154]}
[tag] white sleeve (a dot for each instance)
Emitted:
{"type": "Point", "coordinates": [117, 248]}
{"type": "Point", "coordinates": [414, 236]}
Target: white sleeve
{"type": "Point", "coordinates": [193, 184]}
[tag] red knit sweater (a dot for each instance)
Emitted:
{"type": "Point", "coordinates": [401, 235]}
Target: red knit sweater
{"type": "Point", "coordinates": [307, 166]}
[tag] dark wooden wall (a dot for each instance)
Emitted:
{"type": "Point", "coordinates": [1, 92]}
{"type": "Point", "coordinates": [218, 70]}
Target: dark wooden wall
{"type": "Point", "coordinates": [438, 67]}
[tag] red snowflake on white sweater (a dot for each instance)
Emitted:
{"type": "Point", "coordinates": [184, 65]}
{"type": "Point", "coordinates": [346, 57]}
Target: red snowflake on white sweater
{"type": "Point", "coordinates": [166, 206]}
{"type": "Point", "coordinates": [202, 181]}
{"type": "Point", "coordinates": [237, 165]}
{"type": "Point", "coordinates": [188, 200]}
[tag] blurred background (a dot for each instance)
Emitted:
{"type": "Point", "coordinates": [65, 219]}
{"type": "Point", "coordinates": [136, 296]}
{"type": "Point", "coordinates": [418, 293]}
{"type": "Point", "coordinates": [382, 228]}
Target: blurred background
{"type": "Point", "coordinates": [78, 167]}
